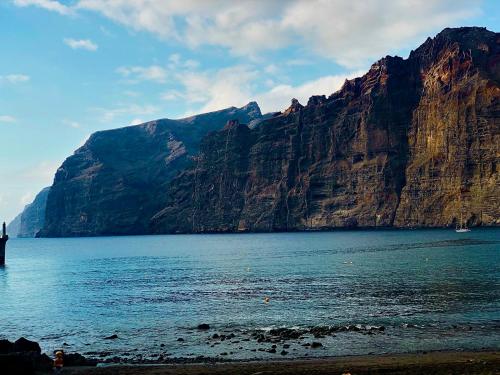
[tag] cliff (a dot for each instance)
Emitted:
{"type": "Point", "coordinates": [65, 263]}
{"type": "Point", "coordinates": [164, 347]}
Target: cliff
{"type": "Point", "coordinates": [32, 219]}
{"type": "Point", "coordinates": [414, 142]}
{"type": "Point", "coordinates": [115, 182]}
{"type": "Point", "coordinates": [14, 226]}
{"type": "Point", "coordinates": [454, 136]}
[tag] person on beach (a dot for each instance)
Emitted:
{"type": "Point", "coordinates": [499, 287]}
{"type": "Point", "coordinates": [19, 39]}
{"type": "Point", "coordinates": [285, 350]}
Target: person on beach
{"type": "Point", "coordinates": [58, 362]}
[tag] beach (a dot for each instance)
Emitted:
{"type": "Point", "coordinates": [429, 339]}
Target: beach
{"type": "Point", "coordinates": [421, 363]}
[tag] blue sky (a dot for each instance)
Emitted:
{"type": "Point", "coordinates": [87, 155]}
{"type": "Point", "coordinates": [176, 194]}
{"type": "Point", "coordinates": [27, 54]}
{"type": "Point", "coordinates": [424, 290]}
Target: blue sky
{"type": "Point", "coordinates": [70, 68]}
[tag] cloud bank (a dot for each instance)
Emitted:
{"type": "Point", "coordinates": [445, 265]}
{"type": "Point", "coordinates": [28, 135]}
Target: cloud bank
{"type": "Point", "coordinates": [351, 33]}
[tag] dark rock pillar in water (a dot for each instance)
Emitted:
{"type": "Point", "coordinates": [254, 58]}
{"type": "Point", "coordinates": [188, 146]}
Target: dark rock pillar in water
{"type": "Point", "coordinates": [3, 241]}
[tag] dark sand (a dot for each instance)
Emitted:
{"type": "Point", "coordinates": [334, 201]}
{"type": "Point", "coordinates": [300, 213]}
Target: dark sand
{"type": "Point", "coordinates": [428, 363]}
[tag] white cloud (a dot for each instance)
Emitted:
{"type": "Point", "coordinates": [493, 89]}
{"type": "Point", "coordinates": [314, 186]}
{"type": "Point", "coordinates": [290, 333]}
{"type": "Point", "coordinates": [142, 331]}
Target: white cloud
{"type": "Point", "coordinates": [213, 90]}
{"type": "Point", "coordinates": [137, 121]}
{"type": "Point", "coordinates": [85, 44]}
{"type": "Point", "coordinates": [191, 64]}
{"type": "Point", "coordinates": [22, 181]}
{"type": "Point", "coordinates": [136, 74]}
{"type": "Point", "coordinates": [278, 97]}
{"type": "Point", "coordinates": [176, 61]}
{"type": "Point", "coordinates": [27, 198]}
{"type": "Point", "coordinates": [171, 95]}
{"type": "Point", "coordinates": [43, 172]}
{"type": "Point", "coordinates": [131, 93]}
{"type": "Point", "coordinates": [51, 5]}
{"type": "Point", "coordinates": [15, 78]}
{"type": "Point", "coordinates": [71, 124]}
{"type": "Point", "coordinates": [175, 58]}
{"type": "Point", "coordinates": [7, 118]}
{"type": "Point", "coordinates": [351, 33]}
{"type": "Point", "coordinates": [235, 86]}
{"type": "Point", "coordinates": [126, 111]}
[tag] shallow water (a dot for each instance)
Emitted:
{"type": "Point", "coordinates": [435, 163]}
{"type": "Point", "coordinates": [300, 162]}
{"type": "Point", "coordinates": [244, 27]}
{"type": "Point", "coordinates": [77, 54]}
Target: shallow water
{"type": "Point", "coordinates": [430, 289]}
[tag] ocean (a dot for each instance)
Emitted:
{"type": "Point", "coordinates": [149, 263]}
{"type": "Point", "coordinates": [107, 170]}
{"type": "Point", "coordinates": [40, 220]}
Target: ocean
{"type": "Point", "coordinates": [379, 291]}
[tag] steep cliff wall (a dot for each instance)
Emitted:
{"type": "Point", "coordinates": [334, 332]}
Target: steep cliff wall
{"type": "Point", "coordinates": [33, 216]}
{"type": "Point", "coordinates": [117, 180]}
{"type": "Point", "coordinates": [32, 219]}
{"type": "Point", "coordinates": [454, 136]}
{"type": "Point", "coordinates": [14, 226]}
{"type": "Point", "coordinates": [412, 143]}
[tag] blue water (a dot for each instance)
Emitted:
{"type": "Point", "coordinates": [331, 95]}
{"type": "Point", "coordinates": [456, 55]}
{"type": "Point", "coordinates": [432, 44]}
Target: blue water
{"type": "Point", "coordinates": [430, 289]}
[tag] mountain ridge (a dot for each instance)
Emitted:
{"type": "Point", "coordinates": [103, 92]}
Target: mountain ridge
{"type": "Point", "coordinates": [112, 184]}
{"type": "Point", "coordinates": [412, 143]}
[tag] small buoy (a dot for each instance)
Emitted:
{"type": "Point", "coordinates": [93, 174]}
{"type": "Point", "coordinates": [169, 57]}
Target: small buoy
{"type": "Point", "coordinates": [248, 269]}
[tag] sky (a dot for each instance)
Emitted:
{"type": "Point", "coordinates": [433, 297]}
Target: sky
{"type": "Point", "coordinates": [70, 68]}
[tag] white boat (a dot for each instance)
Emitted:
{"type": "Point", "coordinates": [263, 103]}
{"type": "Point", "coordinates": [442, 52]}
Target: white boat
{"type": "Point", "coordinates": [462, 228]}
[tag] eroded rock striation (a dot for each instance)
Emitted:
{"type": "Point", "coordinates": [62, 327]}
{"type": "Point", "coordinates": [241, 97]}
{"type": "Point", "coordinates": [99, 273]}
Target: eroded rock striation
{"type": "Point", "coordinates": [117, 180]}
{"type": "Point", "coordinates": [414, 142]}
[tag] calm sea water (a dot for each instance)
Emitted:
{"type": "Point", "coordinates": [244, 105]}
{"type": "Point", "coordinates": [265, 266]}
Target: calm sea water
{"type": "Point", "coordinates": [431, 289]}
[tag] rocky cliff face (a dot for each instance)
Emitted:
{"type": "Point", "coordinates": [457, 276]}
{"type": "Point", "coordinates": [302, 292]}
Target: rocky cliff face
{"type": "Point", "coordinates": [413, 142]}
{"type": "Point", "coordinates": [118, 179]}
{"type": "Point", "coordinates": [454, 135]}
{"type": "Point", "coordinates": [14, 226]}
{"type": "Point", "coordinates": [32, 219]}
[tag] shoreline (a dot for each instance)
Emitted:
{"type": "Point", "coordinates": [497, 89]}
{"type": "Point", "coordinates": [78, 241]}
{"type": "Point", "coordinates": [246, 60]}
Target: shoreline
{"type": "Point", "coordinates": [438, 362]}
{"type": "Point", "coordinates": [278, 231]}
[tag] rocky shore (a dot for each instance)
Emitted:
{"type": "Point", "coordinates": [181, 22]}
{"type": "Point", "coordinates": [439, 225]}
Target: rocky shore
{"type": "Point", "coordinates": [272, 349]}
{"type": "Point", "coordinates": [280, 342]}
{"type": "Point", "coordinates": [24, 357]}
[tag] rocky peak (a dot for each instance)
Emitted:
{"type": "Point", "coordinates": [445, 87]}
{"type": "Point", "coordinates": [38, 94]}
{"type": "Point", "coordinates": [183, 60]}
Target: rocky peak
{"type": "Point", "coordinates": [294, 107]}
{"type": "Point", "coordinates": [252, 109]}
{"type": "Point", "coordinates": [316, 100]}
{"type": "Point", "coordinates": [475, 40]}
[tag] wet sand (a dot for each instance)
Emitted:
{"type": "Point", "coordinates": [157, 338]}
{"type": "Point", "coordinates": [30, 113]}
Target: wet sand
{"type": "Point", "coordinates": [424, 363]}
